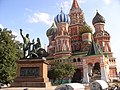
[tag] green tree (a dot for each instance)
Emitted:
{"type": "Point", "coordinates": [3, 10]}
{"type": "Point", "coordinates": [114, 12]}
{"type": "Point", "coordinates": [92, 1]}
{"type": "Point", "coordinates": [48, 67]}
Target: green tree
{"type": "Point", "coordinates": [61, 71]}
{"type": "Point", "coordinates": [9, 53]}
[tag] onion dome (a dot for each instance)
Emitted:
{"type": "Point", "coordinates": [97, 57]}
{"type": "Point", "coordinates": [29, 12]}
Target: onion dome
{"type": "Point", "coordinates": [52, 30]}
{"type": "Point", "coordinates": [62, 18]}
{"type": "Point", "coordinates": [85, 29]}
{"type": "Point", "coordinates": [98, 19]}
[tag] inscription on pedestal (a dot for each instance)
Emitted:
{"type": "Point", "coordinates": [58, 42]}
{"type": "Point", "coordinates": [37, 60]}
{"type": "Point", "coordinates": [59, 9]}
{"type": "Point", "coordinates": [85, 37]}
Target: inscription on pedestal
{"type": "Point", "coordinates": [29, 71]}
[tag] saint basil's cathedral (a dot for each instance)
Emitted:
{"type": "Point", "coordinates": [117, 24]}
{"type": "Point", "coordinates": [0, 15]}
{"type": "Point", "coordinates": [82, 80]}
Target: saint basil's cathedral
{"type": "Point", "coordinates": [71, 40]}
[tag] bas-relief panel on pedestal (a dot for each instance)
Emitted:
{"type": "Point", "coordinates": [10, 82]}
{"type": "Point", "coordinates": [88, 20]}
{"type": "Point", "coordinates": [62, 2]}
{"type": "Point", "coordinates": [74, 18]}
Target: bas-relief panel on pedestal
{"type": "Point", "coordinates": [29, 71]}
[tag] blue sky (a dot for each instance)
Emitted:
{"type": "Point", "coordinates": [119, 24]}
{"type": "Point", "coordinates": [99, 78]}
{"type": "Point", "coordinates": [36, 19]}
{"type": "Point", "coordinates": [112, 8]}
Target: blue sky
{"type": "Point", "coordinates": [36, 16]}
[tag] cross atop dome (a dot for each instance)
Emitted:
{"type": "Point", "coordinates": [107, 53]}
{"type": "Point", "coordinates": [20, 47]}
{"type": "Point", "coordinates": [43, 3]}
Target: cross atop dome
{"type": "Point", "coordinates": [61, 10]}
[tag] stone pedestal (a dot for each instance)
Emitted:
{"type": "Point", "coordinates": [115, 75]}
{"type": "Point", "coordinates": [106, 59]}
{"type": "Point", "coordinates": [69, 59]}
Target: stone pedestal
{"type": "Point", "coordinates": [31, 73]}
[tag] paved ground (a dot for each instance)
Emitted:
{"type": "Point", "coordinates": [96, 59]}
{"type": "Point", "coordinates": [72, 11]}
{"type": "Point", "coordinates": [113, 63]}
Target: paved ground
{"type": "Point", "coordinates": [29, 88]}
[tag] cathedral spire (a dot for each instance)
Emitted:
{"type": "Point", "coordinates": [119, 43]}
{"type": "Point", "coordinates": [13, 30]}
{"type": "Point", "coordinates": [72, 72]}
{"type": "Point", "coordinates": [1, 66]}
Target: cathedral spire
{"type": "Point", "coordinates": [75, 5]}
{"type": "Point", "coordinates": [76, 14]}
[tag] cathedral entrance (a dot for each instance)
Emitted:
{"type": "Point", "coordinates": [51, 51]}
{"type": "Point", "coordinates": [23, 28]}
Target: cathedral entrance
{"type": "Point", "coordinates": [96, 71]}
{"type": "Point", "coordinates": [77, 77]}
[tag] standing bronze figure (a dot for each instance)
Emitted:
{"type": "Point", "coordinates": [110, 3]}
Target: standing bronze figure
{"type": "Point", "coordinates": [26, 44]}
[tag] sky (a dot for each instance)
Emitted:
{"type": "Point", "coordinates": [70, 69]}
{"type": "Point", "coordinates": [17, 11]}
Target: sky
{"type": "Point", "coordinates": [36, 16]}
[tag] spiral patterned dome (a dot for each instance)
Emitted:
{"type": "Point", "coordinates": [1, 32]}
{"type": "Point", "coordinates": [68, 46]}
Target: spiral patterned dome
{"type": "Point", "coordinates": [62, 18]}
{"type": "Point", "coordinates": [52, 30]}
{"type": "Point", "coordinates": [98, 19]}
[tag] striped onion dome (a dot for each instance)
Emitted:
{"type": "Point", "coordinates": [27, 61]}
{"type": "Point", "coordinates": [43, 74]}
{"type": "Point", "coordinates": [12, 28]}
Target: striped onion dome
{"type": "Point", "coordinates": [62, 18]}
{"type": "Point", "coordinates": [52, 30]}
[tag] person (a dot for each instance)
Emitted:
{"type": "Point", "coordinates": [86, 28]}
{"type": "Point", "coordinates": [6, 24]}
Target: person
{"type": "Point", "coordinates": [26, 45]}
{"type": "Point", "coordinates": [37, 46]}
{"type": "Point", "coordinates": [38, 51]}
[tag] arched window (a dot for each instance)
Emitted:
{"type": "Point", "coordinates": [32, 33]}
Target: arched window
{"type": "Point", "coordinates": [74, 60]}
{"type": "Point", "coordinates": [78, 60]}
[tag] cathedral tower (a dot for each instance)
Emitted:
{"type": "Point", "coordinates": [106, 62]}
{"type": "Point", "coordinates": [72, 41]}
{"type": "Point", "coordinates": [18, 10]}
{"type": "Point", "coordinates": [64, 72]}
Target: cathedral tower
{"type": "Point", "coordinates": [62, 39]}
{"type": "Point", "coordinates": [77, 19]}
{"type": "Point", "coordinates": [76, 14]}
{"type": "Point", "coordinates": [51, 33]}
{"type": "Point", "coordinates": [77, 27]}
{"type": "Point", "coordinates": [102, 37]}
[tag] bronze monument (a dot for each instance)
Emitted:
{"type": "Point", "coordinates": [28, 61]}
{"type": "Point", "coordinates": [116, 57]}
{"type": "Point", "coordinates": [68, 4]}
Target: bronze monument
{"type": "Point", "coordinates": [32, 68]}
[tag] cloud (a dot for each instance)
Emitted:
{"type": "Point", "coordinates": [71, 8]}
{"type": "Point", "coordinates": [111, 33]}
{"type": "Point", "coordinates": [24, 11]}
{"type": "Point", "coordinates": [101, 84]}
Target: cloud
{"type": "Point", "coordinates": [28, 10]}
{"type": "Point", "coordinates": [107, 1]}
{"type": "Point", "coordinates": [41, 17]}
{"type": "Point", "coordinates": [38, 17]}
{"type": "Point", "coordinates": [1, 26]}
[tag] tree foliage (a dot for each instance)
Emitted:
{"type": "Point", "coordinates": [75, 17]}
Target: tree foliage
{"type": "Point", "coordinates": [9, 53]}
{"type": "Point", "coordinates": [60, 71]}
